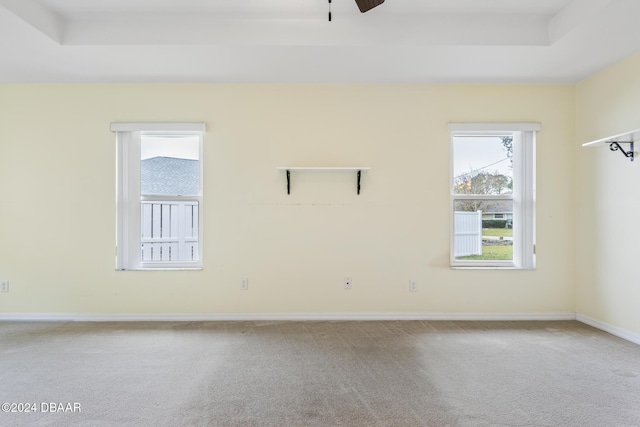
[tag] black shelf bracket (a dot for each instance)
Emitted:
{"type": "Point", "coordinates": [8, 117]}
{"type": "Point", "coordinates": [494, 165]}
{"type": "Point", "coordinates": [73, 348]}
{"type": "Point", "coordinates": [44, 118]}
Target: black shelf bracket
{"type": "Point", "coordinates": [358, 170]}
{"type": "Point", "coordinates": [288, 181]}
{"type": "Point", "coordinates": [615, 146]}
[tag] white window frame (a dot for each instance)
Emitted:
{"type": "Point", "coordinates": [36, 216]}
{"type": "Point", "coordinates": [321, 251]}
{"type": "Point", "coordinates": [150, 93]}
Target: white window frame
{"type": "Point", "coordinates": [523, 195]}
{"type": "Point", "coordinates": [128, 235]}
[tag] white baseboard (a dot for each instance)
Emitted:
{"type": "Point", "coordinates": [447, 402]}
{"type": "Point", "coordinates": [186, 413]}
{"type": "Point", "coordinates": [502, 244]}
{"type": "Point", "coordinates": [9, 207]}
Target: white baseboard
{"type": "Point", "coordinates": [182, 317]}
{"type": "Point", "coordinates": [613, 330]}
{"type": "Point", "coordinates": [179, 317]}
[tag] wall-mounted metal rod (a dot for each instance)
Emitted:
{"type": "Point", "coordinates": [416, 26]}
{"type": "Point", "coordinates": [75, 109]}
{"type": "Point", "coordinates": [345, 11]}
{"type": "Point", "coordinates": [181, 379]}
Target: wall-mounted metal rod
{"type": "Point", "coordinates": [615, 146]}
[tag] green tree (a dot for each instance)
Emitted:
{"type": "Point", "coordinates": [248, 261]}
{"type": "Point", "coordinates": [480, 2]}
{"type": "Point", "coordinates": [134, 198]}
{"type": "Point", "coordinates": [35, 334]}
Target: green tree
{"type": "Point", "coordinates": [507, 143]}
{"type": "Point", "coordinates": [478, 182]}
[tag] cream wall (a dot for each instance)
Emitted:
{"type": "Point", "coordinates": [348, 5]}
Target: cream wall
{"type": "Point", "coordinates": [57, 211]}
{"type": "Point", "coordinates": [608, 199]}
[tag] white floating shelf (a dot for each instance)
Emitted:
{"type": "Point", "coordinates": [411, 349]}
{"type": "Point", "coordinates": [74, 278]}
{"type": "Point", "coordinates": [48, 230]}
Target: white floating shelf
{"type": "Point", "coordinates": [289, 169]}
{"type": "Point", "coordinates": [621, 137]}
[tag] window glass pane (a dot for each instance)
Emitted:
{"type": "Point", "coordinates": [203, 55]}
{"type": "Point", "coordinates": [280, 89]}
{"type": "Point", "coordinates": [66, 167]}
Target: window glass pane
{"type": "Point", "coordinates": [169, 165]}
{"type": "Point", "coordinates": [482, 165]}
{"type": "Point", "coordinates": [477, 235]}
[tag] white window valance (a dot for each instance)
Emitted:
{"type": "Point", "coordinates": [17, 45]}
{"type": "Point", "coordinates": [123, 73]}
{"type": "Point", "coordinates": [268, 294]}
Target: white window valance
{"type": "Point", "coordinates": [495, 127]}
{"type": "Point", "coordinates": [157, 127]}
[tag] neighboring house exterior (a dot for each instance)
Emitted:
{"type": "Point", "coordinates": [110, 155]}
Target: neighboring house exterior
{"type": "Point", "coordinates": [499, 210]}
{"type": "Point", "coordinates": [169, 176]}
{"type": "Point", "coordinates": [497, 215]}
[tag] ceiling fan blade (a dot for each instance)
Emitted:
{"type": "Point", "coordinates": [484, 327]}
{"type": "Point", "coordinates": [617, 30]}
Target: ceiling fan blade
{"type": "Point", "coordinates": [365, 5]}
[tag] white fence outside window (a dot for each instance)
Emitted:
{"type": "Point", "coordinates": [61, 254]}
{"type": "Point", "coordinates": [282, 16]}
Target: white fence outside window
{"type": "Point", "coordinates": [467, 233]}
{"type": "Point", "coordinates": [169, 231]}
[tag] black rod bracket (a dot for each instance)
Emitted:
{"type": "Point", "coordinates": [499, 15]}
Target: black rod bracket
{"type": "Point", "coordinates": [615, 146]}
{"type": "Point", "coordinates": [359, 174]}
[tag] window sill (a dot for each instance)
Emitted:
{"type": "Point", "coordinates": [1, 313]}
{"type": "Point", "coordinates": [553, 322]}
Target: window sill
{"type": "Point", "coordinates": [162, 269]}
{"type": "Point", "coordinates": [494, 267]}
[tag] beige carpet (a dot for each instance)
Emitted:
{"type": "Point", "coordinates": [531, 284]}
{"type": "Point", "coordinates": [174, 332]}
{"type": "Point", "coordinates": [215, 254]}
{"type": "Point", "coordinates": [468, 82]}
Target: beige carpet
{"type": "Point", "coordinates": [319, 374]}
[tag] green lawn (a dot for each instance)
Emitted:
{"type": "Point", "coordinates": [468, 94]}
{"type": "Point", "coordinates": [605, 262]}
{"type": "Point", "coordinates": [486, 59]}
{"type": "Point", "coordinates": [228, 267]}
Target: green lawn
{"type": "Point", "coordinates": [491, 253]}
{"type": "Point", "coordinates": [504, 232]}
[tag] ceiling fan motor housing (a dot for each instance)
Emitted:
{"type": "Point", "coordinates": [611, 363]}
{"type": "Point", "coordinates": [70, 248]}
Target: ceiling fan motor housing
{"type": "Point", "coordinates": [365, 5]}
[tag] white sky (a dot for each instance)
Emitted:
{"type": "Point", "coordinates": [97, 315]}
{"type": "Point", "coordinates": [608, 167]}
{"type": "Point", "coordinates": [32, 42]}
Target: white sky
{"type": "Point", "coordinates": [473, 153]}
{"type": "Point", "coordinates": [182, 147]}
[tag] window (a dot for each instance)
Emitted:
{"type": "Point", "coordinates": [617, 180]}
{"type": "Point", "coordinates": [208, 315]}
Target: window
{"type": "Point", "coordinates": [159, 195]}
{"type": "Point", "coordinates": [493, 195]}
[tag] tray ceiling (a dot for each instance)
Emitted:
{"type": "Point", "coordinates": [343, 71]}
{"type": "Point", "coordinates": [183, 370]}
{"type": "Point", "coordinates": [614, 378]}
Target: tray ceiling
{"type": "Point", "coordinates": [401, 41]}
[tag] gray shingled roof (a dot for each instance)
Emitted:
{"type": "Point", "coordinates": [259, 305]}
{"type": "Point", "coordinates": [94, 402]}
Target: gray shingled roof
{"type": "Point", "coordinates": [169, 176]}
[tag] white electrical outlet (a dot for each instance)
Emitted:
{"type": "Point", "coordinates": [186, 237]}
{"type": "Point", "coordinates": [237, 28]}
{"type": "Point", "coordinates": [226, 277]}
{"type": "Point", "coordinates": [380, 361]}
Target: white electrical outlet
{"type": "Point", "coordinates": [347, 283]}
{"type": "Point", "coordinates": [244, 284]}
{"type": "Point", "coordinates": [4, 286]}
{"type": "Point", "coordinates": [413, 286]}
